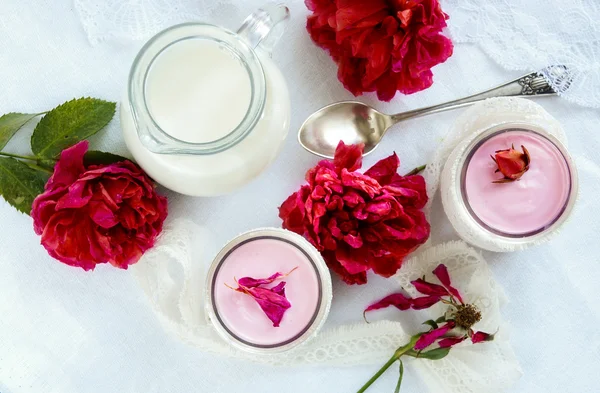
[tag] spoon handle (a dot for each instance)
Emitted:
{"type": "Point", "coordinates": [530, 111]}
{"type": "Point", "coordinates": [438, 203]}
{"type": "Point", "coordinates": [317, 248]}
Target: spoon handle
{"type": "Point", "coordinates": [530, 85]}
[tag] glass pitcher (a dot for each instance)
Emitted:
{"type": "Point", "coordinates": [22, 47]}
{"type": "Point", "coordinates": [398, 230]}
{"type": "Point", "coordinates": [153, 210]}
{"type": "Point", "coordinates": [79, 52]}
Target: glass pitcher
{"type": "Point", "coordinates": [206, 109]}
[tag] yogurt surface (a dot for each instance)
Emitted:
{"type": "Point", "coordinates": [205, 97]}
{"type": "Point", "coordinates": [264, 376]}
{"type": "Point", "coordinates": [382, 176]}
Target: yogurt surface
{"type": "Point", "coordinates": [524, 206]}
{"type": "Point", "coordinates": [260, 258]}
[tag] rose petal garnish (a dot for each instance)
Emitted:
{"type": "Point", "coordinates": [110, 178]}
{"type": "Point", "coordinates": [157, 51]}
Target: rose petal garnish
{"type": "Point", "coordinates": [250, 282]}
{"type": "Point", "coordinates": [481, 337]}
{"type": "Point", "coordinates": [430, 337]}
{"type": "Point", "coordinates": [441, 272]}
{"type": "Point", "coordinates": [512, 163]}
{"type": "Point", "coordinates": [272, 302]}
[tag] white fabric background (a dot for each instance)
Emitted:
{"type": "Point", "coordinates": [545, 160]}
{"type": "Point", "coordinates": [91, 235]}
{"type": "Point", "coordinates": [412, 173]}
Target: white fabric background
{"type": "Point", "coordinates": [65, 330]}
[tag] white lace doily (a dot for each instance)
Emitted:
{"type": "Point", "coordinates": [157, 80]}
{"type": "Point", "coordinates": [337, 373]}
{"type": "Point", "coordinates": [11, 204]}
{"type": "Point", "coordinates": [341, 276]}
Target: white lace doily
{"type": "Point", "coordinates": [529, 35]}
{"type": "Point", "coordinates": [479, 118]}
{"type": "Point", "coordinates": [523, 35]}
{"type": "Point", "coordinates": [172, 276]}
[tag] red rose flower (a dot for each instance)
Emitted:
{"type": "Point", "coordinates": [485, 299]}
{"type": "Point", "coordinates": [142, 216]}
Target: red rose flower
{"type": "Point", "coordinates": [359, 221]}
{"type": "Point", "coordinates": [97, 214]}
{"type": "Point", "coordinates": [381, 45]}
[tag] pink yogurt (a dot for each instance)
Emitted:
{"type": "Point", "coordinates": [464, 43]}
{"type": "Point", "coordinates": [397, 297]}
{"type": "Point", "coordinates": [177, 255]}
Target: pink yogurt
{"type": "Point", "coordinates": [260, 258]}
{"type": "Point", "coordinates": [524, 206]}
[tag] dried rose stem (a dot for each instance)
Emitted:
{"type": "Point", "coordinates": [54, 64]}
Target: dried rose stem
{"type": "Point", "coordinates": [399, 352]}
{"type": "Point", "coordinates": [417, 170]}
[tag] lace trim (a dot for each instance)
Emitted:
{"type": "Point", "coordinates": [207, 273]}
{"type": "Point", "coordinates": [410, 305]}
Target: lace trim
{"type": "Point", "coordinates": [166, 274]}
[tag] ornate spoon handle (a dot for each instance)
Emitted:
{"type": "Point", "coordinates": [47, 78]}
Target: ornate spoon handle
{"type": "Point", "coordinates": [534, 84]}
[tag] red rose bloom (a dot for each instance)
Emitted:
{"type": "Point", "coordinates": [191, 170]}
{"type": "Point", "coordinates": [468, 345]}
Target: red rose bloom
{"type": "Point", "coordinates": [97, 214]}
{"type": "Point", "coordinates": [359, 221]}
{"type": "Point", "coordinates": [381, 45]}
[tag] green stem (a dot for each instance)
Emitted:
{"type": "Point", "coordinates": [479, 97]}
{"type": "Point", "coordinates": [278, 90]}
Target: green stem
{"type": "Point", "coordinates": [417, 170]}
{"type": "Point", "coordinates": [400, 377]}
{"type": "Point", "coordinates": [399, 352]}
{"type": "Point", "coordinates": [30, 158]}
{"type": "Point", "coordinates": [38, 168]}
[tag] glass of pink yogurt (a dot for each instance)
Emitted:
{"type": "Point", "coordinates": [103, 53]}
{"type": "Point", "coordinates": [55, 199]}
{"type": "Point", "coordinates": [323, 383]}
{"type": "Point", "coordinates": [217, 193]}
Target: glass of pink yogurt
{"type": "Point", "coordinates": [260, 253]}
{"type": "Point", "coordinates": [512, 215]}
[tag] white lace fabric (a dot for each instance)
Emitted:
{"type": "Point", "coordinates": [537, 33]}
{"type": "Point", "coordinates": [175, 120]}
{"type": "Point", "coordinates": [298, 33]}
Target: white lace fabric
{"type": "Point", "coordinates": [173, 278]}
{"type": "Point", "coordinates": [529, 35]}
{"type": "Point", "coordinates": [523, 35]}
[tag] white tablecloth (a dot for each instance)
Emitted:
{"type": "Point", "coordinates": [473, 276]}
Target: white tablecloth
{"type": "Point", "coordinates": [65, 330]}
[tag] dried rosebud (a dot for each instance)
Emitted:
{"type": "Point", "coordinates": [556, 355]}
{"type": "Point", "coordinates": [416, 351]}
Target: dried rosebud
{"type": "Point", "coordinates": [512, 163]}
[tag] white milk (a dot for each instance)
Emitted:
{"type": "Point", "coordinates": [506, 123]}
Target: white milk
{"type": "Point", "coordinates": [196, 91]}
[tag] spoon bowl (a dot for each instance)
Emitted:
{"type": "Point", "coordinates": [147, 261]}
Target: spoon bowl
{"type": "Point", "coordinates": [350, 121]}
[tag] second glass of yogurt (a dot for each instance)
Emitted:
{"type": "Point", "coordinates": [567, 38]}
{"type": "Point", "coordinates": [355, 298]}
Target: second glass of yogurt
{"type": "Point", "coordinates": [506, 216]}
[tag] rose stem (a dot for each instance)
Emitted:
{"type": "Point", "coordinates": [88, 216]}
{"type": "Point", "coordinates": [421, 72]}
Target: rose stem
{"type": "Point", "coordinates": [399, 352]}
{"type": "Point", "coordinates": [38, 168]}
{"type": "Point", "coordinates": [417, 170]}
{"type": "Point", "coordinates": [18, 156]}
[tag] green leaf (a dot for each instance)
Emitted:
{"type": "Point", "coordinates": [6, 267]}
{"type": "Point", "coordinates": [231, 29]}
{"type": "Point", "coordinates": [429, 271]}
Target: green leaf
{"type": "Point", "coordinates": [397, 390]}
{"type": "Point", "coordinates": [95, 157]}
{"type": "Point", "coordinates": [70, 123]}
{"type": "Point", "coordinates": [435, 354]}
{"type": "Point", "coordinates": [11, 123]}
{"type": "Point", "coordinates": [441, 319]}
{"type": "Point", "coordinates": [20, 184]}
{"type": "Point", "coordinates": [431, 323]}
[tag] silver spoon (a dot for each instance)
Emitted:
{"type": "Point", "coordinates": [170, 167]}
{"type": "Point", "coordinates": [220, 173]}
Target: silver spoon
{"type": "Point", "coordinates": [354, 122]}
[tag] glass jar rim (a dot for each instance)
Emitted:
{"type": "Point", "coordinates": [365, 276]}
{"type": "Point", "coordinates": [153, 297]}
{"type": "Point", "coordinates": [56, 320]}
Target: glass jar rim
{"type": "Point", "coordinates": [484, 136]}
{"type": "Point", "coordinates": [151, 134]}
{"type": "Point", "coordinates": [323, 277]}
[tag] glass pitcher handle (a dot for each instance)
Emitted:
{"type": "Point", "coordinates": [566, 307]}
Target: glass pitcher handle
{"type": "Point", "coordinates": [265, 27]}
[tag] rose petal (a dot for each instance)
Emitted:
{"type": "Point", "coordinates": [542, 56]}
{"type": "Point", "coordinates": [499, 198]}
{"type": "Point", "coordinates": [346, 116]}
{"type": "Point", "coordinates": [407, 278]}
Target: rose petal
{"type": "Point", "coordinates": [250, 282]}
{"type": "Point", "coordinates": [427, 288]}
{"type": "Point", "coordinates": [353, 260]}
{"type": "Point", "coordinates": [348, 157]}
{"type": "Point", "coordinates": [69, 167]}
{"type": "Point", "coordinates": [274, 304]}
{"type": "Point", "coordinates": [481, 337]}
{"type": "Point", "coordinates": [441, 272]}
{"type": "Point", "coordinates": [421, 303]}
{"type": "Point", "coordinates": [361, 182]}
{"type": "Point", "coordinates": [451, 341]}
{"type": "Point", "coordinates": [430, 337]}
{"type": "Point", "coordinates": [384, 170]}
{"type": "Point", "coordinates": [397, 300]}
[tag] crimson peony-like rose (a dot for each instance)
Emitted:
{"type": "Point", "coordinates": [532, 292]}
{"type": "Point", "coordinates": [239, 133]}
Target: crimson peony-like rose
{"type": "Point", "coordinates": [359, 221]}
{"type": "Point", "coordinates": [381, 45]}
{"type": "Point", "coordinates": [99, 213]}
